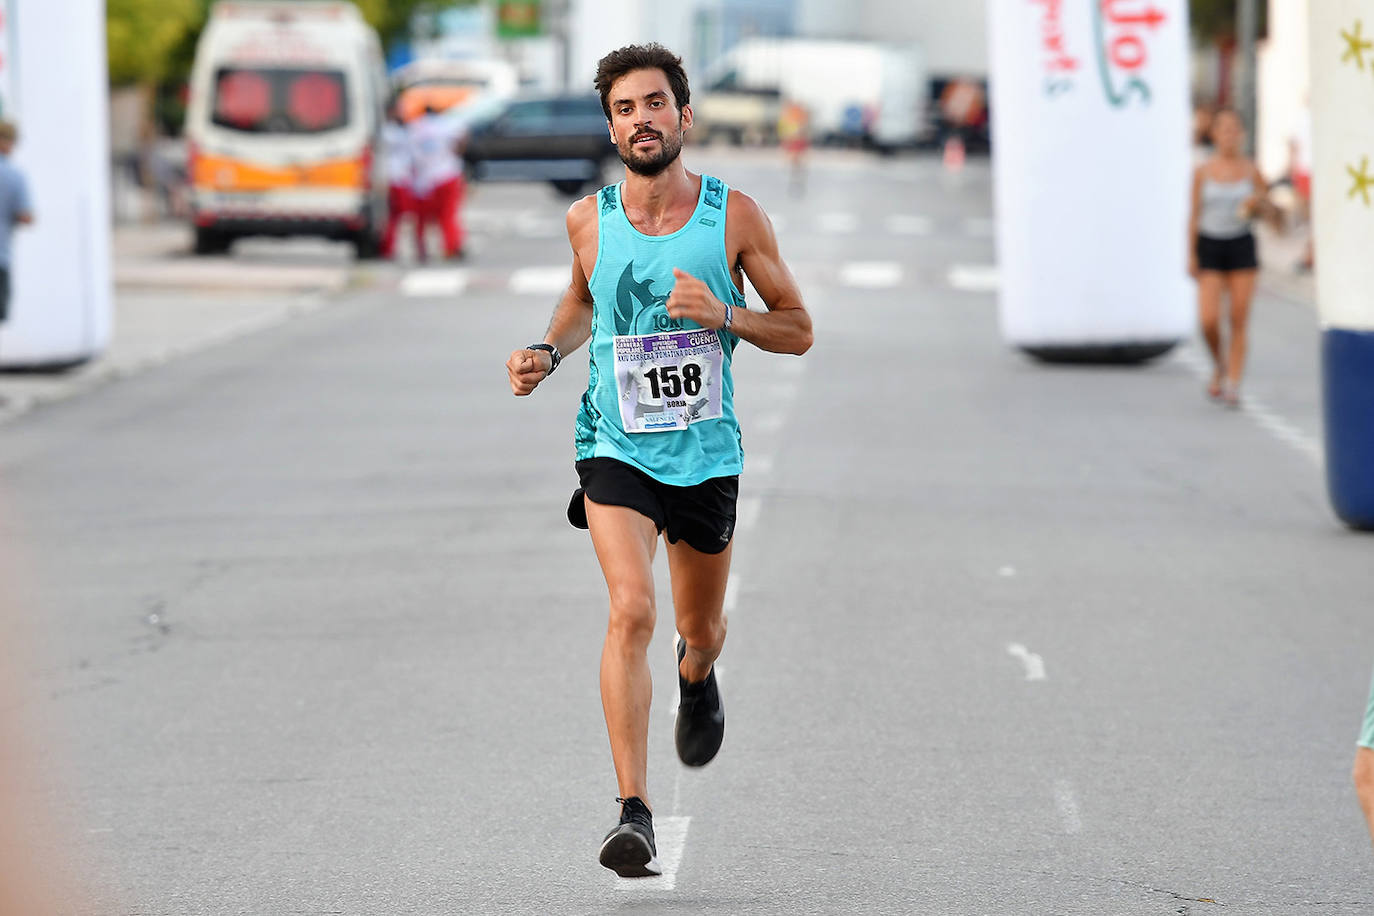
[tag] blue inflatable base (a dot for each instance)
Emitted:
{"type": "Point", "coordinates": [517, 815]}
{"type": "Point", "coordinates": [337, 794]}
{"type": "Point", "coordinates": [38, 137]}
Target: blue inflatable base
{"type": "Point", "coordinates": [1348, 396]}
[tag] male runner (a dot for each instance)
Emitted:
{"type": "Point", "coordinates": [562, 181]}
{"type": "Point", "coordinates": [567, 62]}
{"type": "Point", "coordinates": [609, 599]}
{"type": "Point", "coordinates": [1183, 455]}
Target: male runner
{"type": "Point", "coordinates": [657, 278]}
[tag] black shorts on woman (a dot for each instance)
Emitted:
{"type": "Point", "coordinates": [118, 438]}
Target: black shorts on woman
{"type": "Point", "coordinates": [703, 514]}
{"type": "Point", "coordinates": [1226, 255]}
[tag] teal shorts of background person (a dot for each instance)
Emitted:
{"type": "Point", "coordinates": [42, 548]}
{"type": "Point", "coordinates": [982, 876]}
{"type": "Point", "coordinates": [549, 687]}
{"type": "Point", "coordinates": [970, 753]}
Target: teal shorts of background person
{"type": "Point", "coordinates": [1367, 733]}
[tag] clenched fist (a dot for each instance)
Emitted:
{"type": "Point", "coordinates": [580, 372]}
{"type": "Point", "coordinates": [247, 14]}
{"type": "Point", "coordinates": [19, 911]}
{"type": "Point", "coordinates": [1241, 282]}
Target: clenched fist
{"type": "Point", "coordinates": [527, 368]}
{"type": "Point", "coordinates": [692, 298]}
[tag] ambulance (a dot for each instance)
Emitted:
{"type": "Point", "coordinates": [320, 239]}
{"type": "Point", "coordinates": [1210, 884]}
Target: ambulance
{"type": "Point", "coordinates": [283, 124]}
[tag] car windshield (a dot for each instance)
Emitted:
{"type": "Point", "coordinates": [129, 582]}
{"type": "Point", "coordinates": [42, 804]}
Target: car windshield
{"type": "Point", "coordinates": [280, 101]}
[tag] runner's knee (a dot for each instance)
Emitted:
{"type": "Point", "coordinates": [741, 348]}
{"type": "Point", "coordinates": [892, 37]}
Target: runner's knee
{"type": "Point", "coordinates": [632, 614]}
{"type": "Point", "coordinates": [703, 632]}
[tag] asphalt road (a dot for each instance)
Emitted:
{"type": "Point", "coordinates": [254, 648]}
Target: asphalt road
{"type": "Point", "coordinates": [311, 635]}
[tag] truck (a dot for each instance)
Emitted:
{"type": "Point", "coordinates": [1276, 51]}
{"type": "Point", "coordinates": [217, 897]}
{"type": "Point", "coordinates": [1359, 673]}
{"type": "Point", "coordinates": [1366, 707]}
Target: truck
{"type": "Point", "coordinates": [872, 92]}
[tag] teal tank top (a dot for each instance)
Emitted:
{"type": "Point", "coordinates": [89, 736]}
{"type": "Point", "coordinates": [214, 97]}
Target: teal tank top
{"type": "Point", "coordinates": [630, 284]}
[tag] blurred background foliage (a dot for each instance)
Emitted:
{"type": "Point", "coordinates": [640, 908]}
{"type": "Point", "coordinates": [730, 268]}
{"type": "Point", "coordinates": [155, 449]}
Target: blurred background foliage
{"type": "Point", "coordinates": [151, 43]}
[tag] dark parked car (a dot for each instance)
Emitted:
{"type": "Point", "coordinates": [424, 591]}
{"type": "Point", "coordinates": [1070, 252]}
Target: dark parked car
{"type": "Point", "coordinates": [561, 139]}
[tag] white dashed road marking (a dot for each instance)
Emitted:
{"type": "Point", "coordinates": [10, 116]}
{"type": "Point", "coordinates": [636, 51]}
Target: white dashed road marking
{"type": "Point", "coordinates": [838, 223]}
{"type": "Point", "coordinates": [909, 224]}
{"type": "Point", "coordinates": [1034, 664]}
{"type": "Point", "coordinates": [979, 227]}
{"type": "Point", "coordinates": [975, 278]}
{"type": "Point", "coordinates": [434, 282]}
{"type": "Point", "coordinates": [541, 281]}
{"type": "Point", "coordinates": [871, 274]}
{"type": "Point", "coordinates": [1067, 804]}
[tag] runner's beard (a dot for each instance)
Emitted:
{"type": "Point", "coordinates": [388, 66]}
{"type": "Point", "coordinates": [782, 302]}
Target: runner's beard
{"type": "Point", "coordinates": [651, 164]}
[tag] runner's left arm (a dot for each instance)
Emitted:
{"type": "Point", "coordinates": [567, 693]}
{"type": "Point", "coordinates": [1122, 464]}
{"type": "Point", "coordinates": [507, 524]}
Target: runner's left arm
{"type": "Point", "coordinates": [786, 326]}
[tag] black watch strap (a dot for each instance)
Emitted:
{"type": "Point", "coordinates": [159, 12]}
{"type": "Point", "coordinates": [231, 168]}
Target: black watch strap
{"type": "Point", "coordinates": [551, 350]}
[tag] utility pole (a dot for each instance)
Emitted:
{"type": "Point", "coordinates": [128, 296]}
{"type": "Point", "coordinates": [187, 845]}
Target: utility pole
{"type": "Point", "coordinates": [1247, 27]}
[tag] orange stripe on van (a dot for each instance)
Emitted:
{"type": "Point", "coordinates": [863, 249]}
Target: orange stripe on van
{"type": "Point", "coordinates": [222, 173]}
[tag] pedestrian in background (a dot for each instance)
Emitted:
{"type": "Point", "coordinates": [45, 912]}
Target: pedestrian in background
{"type": "Point", "coordinates": [15, 209]}
{"type": "Point", "coordinates": [436, 146]}
{"type": "Point", "coordinates": [794, 135]}
{"type": "Point", "coordinates": [1228, 193]}
{"type": "Point", "coordinates": [1364, 765]}
{"type": "Point", "coordinates": [400, 201]}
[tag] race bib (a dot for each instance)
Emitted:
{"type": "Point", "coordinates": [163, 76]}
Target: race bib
{"type": "Point", "coordinates": [668, 381]}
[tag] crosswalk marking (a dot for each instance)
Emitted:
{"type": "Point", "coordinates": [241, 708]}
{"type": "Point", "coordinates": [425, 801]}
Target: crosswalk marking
{"type": "Point", "coordinates": [540, 280]}
{"type": "Point", "coordinates": [434, 282]}
{"type": "Point", "coordinates": [871, 274]}
{"type": "Point", "coordinates": [549, 280]}
{"type": "Point", "coordinates": [975, 278]}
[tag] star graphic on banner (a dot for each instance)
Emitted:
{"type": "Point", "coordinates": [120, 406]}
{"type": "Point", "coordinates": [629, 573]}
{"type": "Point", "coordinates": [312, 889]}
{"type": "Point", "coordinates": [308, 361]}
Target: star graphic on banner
{"type": "Point", "coordinates": [1356, 45]}
{"type": "Point", "coordinates": [1363, 181]}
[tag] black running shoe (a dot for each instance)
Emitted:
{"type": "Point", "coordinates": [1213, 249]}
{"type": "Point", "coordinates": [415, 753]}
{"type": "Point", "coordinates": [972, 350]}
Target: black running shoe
{"type": "Point", "coordinates": [700, 716]}
{"type": "Point", "coordinates": [629, 849]}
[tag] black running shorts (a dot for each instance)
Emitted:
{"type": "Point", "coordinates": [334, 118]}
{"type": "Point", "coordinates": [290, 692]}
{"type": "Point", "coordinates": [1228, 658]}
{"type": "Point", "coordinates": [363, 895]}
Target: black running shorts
{"type": "Point", "coordinates": [703, 515]}
{"type": "Point", "coordinates": [1226, 254]}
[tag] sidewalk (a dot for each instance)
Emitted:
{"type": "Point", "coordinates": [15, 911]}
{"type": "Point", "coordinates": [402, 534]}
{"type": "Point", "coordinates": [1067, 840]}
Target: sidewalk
{"type": "Point", "coordinates": [169, 303]}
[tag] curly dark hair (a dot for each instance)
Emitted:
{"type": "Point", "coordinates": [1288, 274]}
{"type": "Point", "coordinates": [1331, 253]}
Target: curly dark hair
{"type": "Point", "coordinates": [641, 57]}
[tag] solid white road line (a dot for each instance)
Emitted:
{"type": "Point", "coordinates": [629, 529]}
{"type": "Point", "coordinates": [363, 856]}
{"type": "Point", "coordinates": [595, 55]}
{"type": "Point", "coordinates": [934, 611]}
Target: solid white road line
{"type": "Point", "coordinates": [871, 274]}
{"type": "Point", "coordinates": [731, 593]}
{"type": "Point", "coordinates": [1034, 664]}
{"type": "Point", "coordinates": [748, 514]}
{"type": "Point", "coordinates": [975, 278]}
{"type": "Point", "coordinates": [434, 282]}
{"type": "Point", "coordinates": [670, 836]}
{"type": "Point", "coordinates": [1257, 410]}
{"type": "Point", "coordinates": [1067, 804]}
{"type": "Point", "coordinates": [542, 281]}
{"type": "Point", "coordinates": [909, 224]}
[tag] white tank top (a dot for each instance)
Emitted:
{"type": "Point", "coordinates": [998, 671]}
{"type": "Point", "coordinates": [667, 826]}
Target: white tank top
{"type": "Point", "coordinates": [1220, 217]}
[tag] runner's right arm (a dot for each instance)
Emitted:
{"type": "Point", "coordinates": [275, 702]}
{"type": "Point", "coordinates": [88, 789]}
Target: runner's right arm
{"type": "Point", "coordinates": [571, 323]}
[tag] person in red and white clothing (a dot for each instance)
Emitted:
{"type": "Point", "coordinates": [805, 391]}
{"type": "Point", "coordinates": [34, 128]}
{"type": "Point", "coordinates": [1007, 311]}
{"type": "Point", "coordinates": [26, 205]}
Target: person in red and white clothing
{"type": "Point", "coordinates": [436, 143]}
{"type": "Point", "coordinates": [400, 197]}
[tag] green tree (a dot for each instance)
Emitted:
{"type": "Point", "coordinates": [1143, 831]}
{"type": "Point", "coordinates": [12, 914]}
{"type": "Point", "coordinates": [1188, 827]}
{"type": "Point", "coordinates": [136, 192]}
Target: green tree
{"type": "Point", "coordinates": [1214, 21]}
{"type": "Point", "coordinates": [142, 36]}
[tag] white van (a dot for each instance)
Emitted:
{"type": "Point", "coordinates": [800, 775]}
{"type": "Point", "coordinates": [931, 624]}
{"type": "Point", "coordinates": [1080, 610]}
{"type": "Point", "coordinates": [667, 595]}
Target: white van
{"type": "Point", "coordinates": [283, 124]}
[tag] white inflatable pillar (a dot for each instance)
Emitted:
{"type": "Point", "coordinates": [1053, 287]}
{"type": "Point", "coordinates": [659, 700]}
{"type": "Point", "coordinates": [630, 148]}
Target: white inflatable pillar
{"type": "Point", "coordinates": [54, 86]}
{"type": "Point", "coordinates": [1092, 162]}
{"type": "Point", "coordinates": [1342, 55]}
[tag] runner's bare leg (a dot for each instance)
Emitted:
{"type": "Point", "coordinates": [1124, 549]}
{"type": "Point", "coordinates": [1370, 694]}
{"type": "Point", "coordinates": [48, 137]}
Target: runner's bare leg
{"type": "Point", "coordinates": [625, 543]}
{"type": "Point", "coordinates": [699, 581]}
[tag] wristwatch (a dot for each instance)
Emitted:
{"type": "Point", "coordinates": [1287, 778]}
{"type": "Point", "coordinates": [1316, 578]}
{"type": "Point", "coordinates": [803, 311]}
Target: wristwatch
{"type": "Point", "coordinates": [551, 350]}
